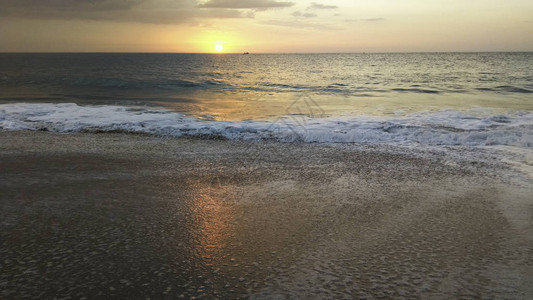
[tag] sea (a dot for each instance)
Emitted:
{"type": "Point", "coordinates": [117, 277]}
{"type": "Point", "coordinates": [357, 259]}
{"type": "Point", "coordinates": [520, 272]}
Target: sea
{"type": "Point", "coordinates": [404, 99]}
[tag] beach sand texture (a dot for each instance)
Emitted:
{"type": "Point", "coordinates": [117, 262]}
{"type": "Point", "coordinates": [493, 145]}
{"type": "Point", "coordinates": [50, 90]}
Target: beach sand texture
{"type": "Point", "coordinates": [136, 216]}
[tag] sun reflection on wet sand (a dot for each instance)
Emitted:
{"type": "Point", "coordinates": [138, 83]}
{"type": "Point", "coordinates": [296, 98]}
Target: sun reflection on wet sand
{"type": "Point", "coordinates": [212, 222]}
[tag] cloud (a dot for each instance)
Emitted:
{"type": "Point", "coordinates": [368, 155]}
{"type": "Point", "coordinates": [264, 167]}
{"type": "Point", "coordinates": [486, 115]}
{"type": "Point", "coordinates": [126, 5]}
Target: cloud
{"type": "Point", "coordinates": [372, 19]}
{"type": "Point", "coordinates": [140, 11]}
{"type": "Point", "coordinates": [302, 25]}
{"type": "Point", "coordinates": [365, 20]}
{"type": "Point", "coordinates": [245, 4]}
{"type": "Point", "coordinates": [305, 15]}
{"type": "Point", "coordinates": [314, 6]}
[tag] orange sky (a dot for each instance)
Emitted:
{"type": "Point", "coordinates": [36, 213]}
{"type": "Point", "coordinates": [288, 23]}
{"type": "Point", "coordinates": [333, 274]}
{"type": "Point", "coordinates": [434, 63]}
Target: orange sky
{"type": "Point", "coordinates": [266, 25]}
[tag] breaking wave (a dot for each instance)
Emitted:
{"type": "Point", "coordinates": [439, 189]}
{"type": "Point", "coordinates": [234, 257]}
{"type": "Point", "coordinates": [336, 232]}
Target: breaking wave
{"type": "Point", "coordinates": [446, 127]}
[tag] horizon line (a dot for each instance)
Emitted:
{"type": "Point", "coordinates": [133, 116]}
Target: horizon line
{"type": "Point", "coordinates": [247, 53]}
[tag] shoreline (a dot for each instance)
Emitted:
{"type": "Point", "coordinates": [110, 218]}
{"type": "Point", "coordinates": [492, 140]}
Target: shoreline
{"type": "Point", "coordinates": [128, 215]}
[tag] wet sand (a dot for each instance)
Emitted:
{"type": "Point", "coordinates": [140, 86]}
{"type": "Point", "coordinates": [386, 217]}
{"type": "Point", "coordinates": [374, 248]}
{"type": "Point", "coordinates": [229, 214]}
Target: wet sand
{"type": "Point", "coordinates": [135, 216]}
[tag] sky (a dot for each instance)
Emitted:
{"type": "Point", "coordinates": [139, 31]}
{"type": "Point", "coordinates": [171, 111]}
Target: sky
{"type": "Point", "coordinates": [265, 26]}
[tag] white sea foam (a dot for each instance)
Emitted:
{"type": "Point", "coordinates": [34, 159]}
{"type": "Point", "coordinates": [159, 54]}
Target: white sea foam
{"type": "Point", "coordinates": [447, 127]}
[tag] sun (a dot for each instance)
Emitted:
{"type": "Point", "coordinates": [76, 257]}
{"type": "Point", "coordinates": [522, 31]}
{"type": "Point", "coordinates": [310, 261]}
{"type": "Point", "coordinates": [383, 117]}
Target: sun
{"type": "Point", "coordinates": [219, 48]}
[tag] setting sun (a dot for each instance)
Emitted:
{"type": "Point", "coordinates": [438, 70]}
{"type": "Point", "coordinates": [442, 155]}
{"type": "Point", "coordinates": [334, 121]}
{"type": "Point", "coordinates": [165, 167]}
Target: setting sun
{"type": "Point", "coordinates": [218, 48]}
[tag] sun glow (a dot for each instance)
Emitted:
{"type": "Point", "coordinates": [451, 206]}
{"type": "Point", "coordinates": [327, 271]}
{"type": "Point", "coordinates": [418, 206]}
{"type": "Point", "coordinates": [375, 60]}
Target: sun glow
{"type": "Point", "coordinates": [218, 48]}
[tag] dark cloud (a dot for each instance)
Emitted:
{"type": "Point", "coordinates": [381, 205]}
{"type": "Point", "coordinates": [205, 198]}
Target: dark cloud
{"type": "Point", "coordinates": [246, 4]}
{"type": "Point", "coordinates": [144, 11]}
{"type": "Point", "coordinates": [315, 5]}
{"type": "Point", "coordinates": [67, 5]}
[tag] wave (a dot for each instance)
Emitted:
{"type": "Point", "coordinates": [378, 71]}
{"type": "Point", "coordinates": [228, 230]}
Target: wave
{"type": "Point", "coordinates": [441, 128]}
{"type": "Point", "coordinates": [88, 82]}
{"type": "Point", "coordinates": [128, 86]}
{"type": "Point", "coordinates": [416, 90]}
{"type": "Point", "coordinates": [119, 83]}
{"type": "Point", "coordinates": [506, 89]}
{"type": "Point", "coordinates": [369, 89]}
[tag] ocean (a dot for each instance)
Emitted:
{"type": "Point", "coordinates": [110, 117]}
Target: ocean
{"type": "Point", "coordinates": [424, 99]}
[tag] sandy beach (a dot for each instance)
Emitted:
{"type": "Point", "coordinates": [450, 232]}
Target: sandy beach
{"type": "Point", "coordinates": [89, 215]}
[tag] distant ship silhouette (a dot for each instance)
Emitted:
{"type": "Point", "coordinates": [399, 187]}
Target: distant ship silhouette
{"type": "Point", "coordinates": [246, 53]}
